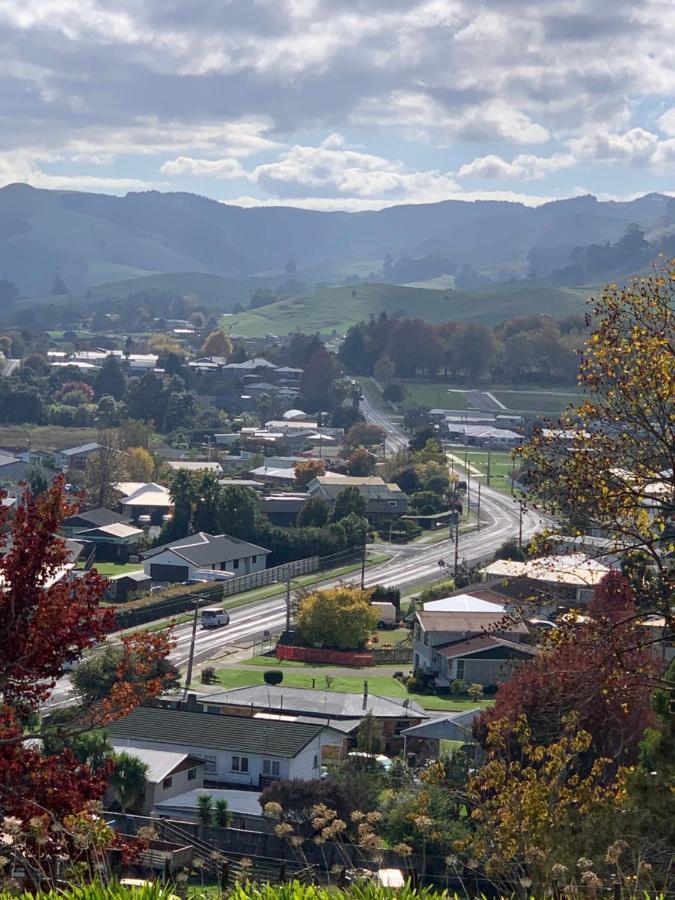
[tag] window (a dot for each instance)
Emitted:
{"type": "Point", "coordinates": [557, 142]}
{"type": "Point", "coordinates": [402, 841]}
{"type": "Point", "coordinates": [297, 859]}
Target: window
{"type": "Point", "coordinates": [426, 639]}
{"type": "Point", "coordinates": [235, 563]}
{"type": "Point", "coordinates": [254, 560]}
{"type": "Point", "coordinates": [192, 774]}
{"type": "Point", "coordinates": [316, 761]}
{"type": "Point", "coordinates": [167, 783]}
{"type": "Point", "coordinates": [392, 503]}
{"type": "Point", "coordinates": [240, 763]}
{"type": "Point", "coordinates": [271, 767]}
{"type": "Point", "coordinates": [210, 763]}
{"type": "Point", "coordinates": [460, 668]}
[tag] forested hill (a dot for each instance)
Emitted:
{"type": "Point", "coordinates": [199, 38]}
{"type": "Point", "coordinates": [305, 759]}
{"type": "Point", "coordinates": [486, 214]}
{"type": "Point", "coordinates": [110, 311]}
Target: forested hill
{"type": "Point", "coordinates": [90, 239]}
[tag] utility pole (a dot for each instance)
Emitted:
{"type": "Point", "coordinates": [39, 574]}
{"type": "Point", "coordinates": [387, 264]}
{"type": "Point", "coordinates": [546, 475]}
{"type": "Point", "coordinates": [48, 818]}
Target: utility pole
{"type": "Point", "coordinates": [188, 677]}
{"type": "Point", "coordinates": [288, 603]}
{"type": "Point", "coordinates": [478, 512]}
{"type": "Point", "coordinates": [488, 466]}
{"type": "Point", "coordinates": [363, 562]}
{"type": "Point", "coordinates": [454, 570]}
{"type": "Point", "coordinates": [520, 523]}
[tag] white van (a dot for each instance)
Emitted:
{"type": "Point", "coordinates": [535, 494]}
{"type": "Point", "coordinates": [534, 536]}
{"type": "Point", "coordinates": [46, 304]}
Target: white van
{"type": "Point", "coordinates": [214, 617]}
{"type": "Point", "coordinates": [386, 613]}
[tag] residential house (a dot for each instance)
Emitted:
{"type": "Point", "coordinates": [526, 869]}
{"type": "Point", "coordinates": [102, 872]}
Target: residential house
{"type": "Point", "coordinates": [274, 475]}
{"type": "Point", "coordinates": [283, 509]}
{"type": "Point", "coordinates": [384, 502]}
{"type": "Point", "coordinates": [237, 750]}
{"type": "Point", "coordinates": [344, 712]}
{"type": "Point", "coordinates": [91, 518]}
{"type": "Point", "coordinates": [12, 472]}
{"type": "Point", "coordinates": [168, 774]}
{"type": "Point", "coordinates": [483, 436]}
{"type": "Point", "coordinates": [146, 503]}
{"type": "Point", "coordinates": [184, 559]}
{"type": "Point", "coordinates": [424, 740]}
{"type": "Point", "coordinates": [555, 580]}
{"type": "Point", "coordinates": [113, 543]}
{"type": "Point", "coordinates": [442, 638]}
{"type": "Point", "coordinates": [75, 457]}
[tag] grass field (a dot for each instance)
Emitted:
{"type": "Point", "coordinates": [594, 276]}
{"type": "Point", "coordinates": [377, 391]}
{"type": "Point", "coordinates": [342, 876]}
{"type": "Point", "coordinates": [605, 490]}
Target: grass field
{"type": "Point", "coordinates": [334, 309]}
{"type": "Point", "coordinates": [109, 569]}
{"type": "Point", "coordinates": [46, 437]}
{"type": "Point", "coordinates": [385, 685]}
{"type": "Point", "coordinates": [434, 394]}
{"type": "Point", "coordinates": [544, 402]}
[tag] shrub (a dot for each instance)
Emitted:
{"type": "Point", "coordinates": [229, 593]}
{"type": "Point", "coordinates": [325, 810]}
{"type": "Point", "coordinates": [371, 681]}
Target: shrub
{"type": "Point", "coordinates": [457, 687]}
{"type": "Point", "coordinates": [273, 676]}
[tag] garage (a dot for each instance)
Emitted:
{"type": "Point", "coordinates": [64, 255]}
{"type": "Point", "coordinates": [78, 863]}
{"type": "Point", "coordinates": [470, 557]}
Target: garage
{"type": "Point", "coordinates": [159, 572]}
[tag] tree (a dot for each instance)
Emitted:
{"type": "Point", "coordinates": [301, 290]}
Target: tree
{"type": "Point", "coordinates": [128, 779]}
{"type": "Point", "coordinates": [134, 433]}
{"type": "Point", "coordinates": [104, 468]}
{"type": "Point", "coordinates": [318, 375]}
{"type": "Point", "coordinates": [297, 798]}
{"type": "Point", "coordinates": [139, 464]}
{"type": "Point", "coordinates": [146, 400]}
{"type": "Point", "coordinates": [362, 435]}
{"type": "Point", "coordinates": [205, 810]}
{"type": "Point", "coordinates": [431, 452]}
{"type": "Point", "coordinates": [238, 509]}
{"type": "Point", "coordinates": [384, 369]}
{"type": "Point", "coordinates": [94, 676]}
{"type": "Point", "coordinates": [37, 478]}
{"type": "Point", "coordinates": [164, 344]}
{"type": "Point", "coordinates": [217, 344]}
{"type": "Point", "coordinates": [314, 514]}
{"type": "Point", "coordinates": [110, 379]}
{"type": "Point", "coordinates": [616, 477]}
{"type": "Point", "coordinates": [394, 393]}
{"type": "Point", "coordinates": [47, 621]}
{"type": "Point", "coordinates": [370, 736]}
{"type": "Point", "coordinates": [349, 501]}
{"type": "Point", "coordinates": [9, 292]}
{"type": "Point", "coordinates": [340, 617]}
{"type": "Point", "coordinates": [308, 470]}
{"type": "Point", "coordinates": [407, 479]}
{"type": "Point", "coordinates": [426, 503]}
{"type": "Point", "coordinates": [599, 668]}
{"type": "Point", "coordinates": [222, 817]}
{"type": "Point", "coordinates": [273, 676]}
{"type": "Point", "coordinates": [361, 463]}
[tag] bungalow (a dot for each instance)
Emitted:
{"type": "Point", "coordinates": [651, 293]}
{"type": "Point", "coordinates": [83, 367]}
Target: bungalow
{"type": "Point", "coordinates": [344, 712]}
{"type": "Point", "coordinates": [568, 578]}
{"type": "Point", "coordinates": [113, 543]}
{"type": "Point", "coordinates": [383, 501]}
{"type": "Point", "coordinates": [283, 509]}
{"type": "Point", "coordinates": [237, 750]}
{"type": "Point", "coordinates": [482, 659]}
{"type": "Point", "coordinates": [168, 774]}
{"type": "Point", "coordinates": [147, 502]}
{"type": "Point", "coordinates": [75, 457]}
{"type": "Point", "coordinates": [127, 585]}
{"type": "Point", "coordinates": [92, 518]}
{"type": "Point", "coordinates": [184, 559]}
{"type": "Point", "coordinates": [274, 475]}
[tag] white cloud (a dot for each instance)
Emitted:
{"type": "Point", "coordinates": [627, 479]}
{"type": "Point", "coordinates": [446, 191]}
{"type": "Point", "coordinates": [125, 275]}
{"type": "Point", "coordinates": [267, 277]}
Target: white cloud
{"type": "Point", "coordinates": [635, 146]}
{"type": "Point", "coordinates": [23, 167]}
{"type": "Point", "coordinates": [215, 168]}
{"type": "Point", "coordinates": [524, 167]}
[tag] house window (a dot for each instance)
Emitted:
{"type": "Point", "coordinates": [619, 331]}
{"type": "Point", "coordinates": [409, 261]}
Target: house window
{"type": "Point", "coordinates": [426, 638]}
{"type": "Point", "coordinates": [192, 774]}
{"type": "Point", "coordinates": [271, 767]}
{"type": "Point", "coordinates": [235, 563]}
{"type": "Point", "coordinates": [167, 783]}
{"type": "Point", "coordinates": [392, 503]}
{"type": "Point", "coordinates": [316, 761]}
{"type": "Point", "coordinates": [240, 763]}
{"type": "Point", "coordinates": [460, 668]}
{"type": "Point", "coordinates": [210, 763]}
{"type": "Point", "coordinates": [254, 560]}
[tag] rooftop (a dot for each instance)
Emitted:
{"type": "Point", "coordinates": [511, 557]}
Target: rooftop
{"type": "Point", "coordinates": [468, 622]}
{"type": "Point", "coordinates": [160, 763]}
{"type": "Point", "coordinates": [327, 704]}
{"type": "Point", "coordinates": [83, 448]}
{"type": "Point", "coordinates": [238, 734]}
{"type": "Point", "coordinates": [463, 603]}
{"type": "Point", "coordinates": [479, 644]}
{"type": "Point", "coordinates": [95, 517]}
{"type": "Point", "coordinates": [203, 549]}
{"type": "Point", "coordinates": [243, 803]}
{"type": "Point", "coordinates": [115, 530]}
{"type": "Point", "coordinates": [573, 569]}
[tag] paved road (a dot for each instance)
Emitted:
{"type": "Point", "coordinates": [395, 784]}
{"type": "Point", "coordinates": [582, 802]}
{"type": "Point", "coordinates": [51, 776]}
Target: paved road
{"type": "Point", "coordinates": [410, 566]}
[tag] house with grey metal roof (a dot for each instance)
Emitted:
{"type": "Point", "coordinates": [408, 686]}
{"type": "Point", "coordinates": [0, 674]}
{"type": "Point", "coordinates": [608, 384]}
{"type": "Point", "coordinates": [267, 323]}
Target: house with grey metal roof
{"type": "Point", "coordinates": [167, 775]}
{"type": "Point", "coordinates": [243, 806]}
{"type": "Point", "coordinates": [91, 518]}
{"type": "Point", "coordinates": [75, 457]}
{"type": "Point", "coordinates": [183, 559]}
{"type": "Point", "coordinates": [237, 750]}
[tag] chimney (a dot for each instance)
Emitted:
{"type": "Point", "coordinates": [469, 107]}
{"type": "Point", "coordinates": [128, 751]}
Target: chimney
{"type": "Point", "coordinates": [191, 703]}
{"type": "Point", "coordinates": [365, 694]}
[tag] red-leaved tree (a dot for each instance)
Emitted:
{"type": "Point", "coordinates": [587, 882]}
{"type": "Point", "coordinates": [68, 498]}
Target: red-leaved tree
{"type": "Point", "coordinates": [47, 619]}
{"type": "Point", "coordinates": [599, 665]}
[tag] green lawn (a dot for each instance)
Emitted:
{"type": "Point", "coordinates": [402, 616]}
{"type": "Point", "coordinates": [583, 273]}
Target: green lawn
{"type": "Point", "coordinates": [544, 402]}
{"type": "Point", "coordinates": [232, 677]}
{"type": "Point", "coordinates": [434, 394]}
{"type": "Point", "coordinates": [109, 569]}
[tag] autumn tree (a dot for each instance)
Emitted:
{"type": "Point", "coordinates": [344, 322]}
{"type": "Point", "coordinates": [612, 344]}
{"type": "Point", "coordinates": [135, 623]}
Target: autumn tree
{"type": "Point", "coordinates": [599, 667]}
{"type": "Point", "coordinates": [104, 468]}
{"type": "Point", "coordinates": [616, 477]}
{"type": "Point", "coordinates": [361, 463]}
{"type": "Point", "coordinates": [139, 464]}
{"type": "Point", "coordinates": [308, 470]}
{"type": "Point", "coordinates": [363, 435]}
{"type": "Point", "coordinates": [217, 344]}
{"type": "Point", "coordinates": [48, 620]}
{"type": "Point", "coordinates": [341, 617]}
{"type": "Point", "coordinates": [164, 344]}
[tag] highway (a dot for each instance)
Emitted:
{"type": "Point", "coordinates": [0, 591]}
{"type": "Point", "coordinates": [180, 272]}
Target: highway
{"type": "Point", "coordinates": [410, 565]}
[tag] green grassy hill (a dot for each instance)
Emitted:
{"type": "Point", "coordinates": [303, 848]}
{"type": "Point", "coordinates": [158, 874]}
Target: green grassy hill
{"type": "Point", "coordinates": [335, 309]}
{"type": "Point", "coordinates": [210, 289]}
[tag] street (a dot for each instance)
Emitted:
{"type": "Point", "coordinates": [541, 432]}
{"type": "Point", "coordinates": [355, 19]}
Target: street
{"type": "Point", "coordinates": [410, 565]}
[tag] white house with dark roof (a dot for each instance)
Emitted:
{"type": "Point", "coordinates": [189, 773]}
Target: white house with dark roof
{"type": "Point", "coordinates": [184, 559]}
{"type": "Point", "coordinates": [237, 750]}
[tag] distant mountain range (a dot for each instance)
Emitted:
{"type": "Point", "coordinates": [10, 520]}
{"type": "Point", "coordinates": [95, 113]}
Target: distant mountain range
{"type": "Point", "coordinates": [94, 239]}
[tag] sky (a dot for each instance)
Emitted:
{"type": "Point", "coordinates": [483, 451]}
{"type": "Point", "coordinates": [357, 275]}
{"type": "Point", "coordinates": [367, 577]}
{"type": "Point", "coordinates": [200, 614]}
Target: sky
{"type": "Point", "coordinates": [340, 104]}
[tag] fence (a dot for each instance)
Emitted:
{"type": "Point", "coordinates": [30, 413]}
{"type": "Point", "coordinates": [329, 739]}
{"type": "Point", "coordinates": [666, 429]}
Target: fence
{"type": "Point", "coordinates": [209, 594]}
